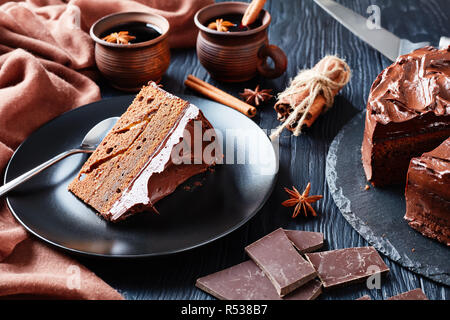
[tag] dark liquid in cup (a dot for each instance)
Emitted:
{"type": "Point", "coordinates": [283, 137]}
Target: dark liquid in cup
{"type": "Point", "coordinates": [236, 19]}
{"type": "Point", "coordinates": [141, 30]}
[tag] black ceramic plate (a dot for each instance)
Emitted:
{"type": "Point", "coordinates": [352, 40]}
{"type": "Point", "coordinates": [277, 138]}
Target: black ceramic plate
{"type": "Point", "coordinates": [227, 198]}
{"type": "Point", "coordinates": [377, 214]}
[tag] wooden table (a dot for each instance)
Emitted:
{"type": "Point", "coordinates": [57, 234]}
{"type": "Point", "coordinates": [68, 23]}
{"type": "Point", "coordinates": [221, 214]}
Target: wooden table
{"type": "Point", "coordinates": [306, 33]}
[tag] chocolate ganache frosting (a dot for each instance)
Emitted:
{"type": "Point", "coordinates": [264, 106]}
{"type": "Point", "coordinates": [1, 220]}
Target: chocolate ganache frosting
{"type": "Point", "coordinates": [417, 83]}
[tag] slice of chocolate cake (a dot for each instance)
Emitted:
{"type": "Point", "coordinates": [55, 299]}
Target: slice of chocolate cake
{"type": "Point", "coordinates": [428, 194]}
{"type": "Point", "coordinates": [408, 113]}
{"type": "Point", "coordinates": [150, 151]}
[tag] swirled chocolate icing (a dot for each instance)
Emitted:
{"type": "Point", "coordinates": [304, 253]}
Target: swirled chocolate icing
{"type": "Point", "coordinates": [416, 84]}
{"type": "Point", "coordinates": [408, 113]}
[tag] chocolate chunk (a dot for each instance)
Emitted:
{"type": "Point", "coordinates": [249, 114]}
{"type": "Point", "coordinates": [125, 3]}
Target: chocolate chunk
{"type": "Point", "coordinates": [305, 241]}
{"type": "Point", "coordinates": [416, 294]}
{"type": "Point", "coordinates": [366, 297]}
{"type": "Point", "coordinates": [246, 281]}
{"type": "Point", "coordinates": [281, 263]}
{"type": "Point", "coordinates": [340, 267]}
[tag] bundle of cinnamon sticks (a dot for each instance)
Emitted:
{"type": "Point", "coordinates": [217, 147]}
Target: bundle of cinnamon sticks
{"type": "Point", "coordinates": [311, 93]}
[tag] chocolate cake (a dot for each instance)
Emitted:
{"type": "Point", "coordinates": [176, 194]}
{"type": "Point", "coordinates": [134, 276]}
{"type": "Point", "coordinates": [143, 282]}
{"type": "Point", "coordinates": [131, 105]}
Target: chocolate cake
{"type": "Point", "coordinates": [134, 165]}
{"type": "Point", "coordinates": [428, 194]}
{"type": "Point", "coordinates": [408, 113]}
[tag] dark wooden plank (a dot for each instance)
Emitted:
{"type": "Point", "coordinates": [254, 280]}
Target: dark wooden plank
{"type": "Point", "coordinates": [306, 33]}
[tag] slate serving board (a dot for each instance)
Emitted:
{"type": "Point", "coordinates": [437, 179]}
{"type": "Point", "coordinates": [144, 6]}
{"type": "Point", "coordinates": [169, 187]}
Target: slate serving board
{"type": "Point", "coordinates": [377, 214]}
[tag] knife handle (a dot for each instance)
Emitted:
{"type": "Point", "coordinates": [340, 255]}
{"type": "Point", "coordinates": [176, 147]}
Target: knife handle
{"type": "Point", "coordinates": [444, 43]}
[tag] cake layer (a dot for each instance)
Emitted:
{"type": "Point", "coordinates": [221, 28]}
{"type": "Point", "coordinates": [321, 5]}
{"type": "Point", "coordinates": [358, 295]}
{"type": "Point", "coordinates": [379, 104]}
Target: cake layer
{"type": "Point", "coordinates": [408, 113]}
{"type": "Point", "coordinates": [138, 147]}
{"type": "Point", "coordinates": [386, 161]}
{"type": "Point", "coordinates": [428, 194]}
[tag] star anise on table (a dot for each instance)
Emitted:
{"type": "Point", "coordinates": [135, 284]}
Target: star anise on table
{"type": "Point", "coordinates": [257, 96]}
{"type": "Point", "coordinates": [121, 37]}
{"type": "Point", "coordinates": [221, 25]}
{"type": "Point", "coordinates": [301, 201]}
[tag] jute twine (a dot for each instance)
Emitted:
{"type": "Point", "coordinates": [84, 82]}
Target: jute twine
{"type": "Point", "coordinates": [326, 80]}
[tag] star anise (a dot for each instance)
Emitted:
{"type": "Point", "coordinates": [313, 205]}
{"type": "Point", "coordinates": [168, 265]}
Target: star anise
{"type": "Point", "coordinates": [221, 25]}
{"type": "Point", "coordinates": [301, 201]}
{"type": "Point", "coordinates": [121, 37]}
{"type": "Point", "coordinates": [257, 96]}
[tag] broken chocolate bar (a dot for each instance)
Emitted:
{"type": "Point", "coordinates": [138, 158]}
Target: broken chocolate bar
{"type": "Point", "coordinates": [416, 294]}
{"type": "Point", "coordinates": [281, 263]}
{"type": "Point", "coordinates": [246, 281]}
{"type": "Point", "coordinates": [341, 267]}
{"type": "Point", "coordinates": [305, 241]}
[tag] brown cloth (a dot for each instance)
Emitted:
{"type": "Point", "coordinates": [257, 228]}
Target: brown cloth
{"type": "Point", "coordinates": [42, 43]}
{"type": "Point", "coordinates": [33, 91]}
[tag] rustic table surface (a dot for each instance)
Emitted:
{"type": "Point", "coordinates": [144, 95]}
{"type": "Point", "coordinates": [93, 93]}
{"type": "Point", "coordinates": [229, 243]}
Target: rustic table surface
{"type": "Point", "coordinates": [306, 33]}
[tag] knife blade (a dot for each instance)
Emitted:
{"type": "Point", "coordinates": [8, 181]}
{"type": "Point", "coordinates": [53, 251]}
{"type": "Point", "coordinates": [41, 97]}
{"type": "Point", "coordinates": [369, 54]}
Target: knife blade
{"type": "Point", "coordinates": [380, 39]}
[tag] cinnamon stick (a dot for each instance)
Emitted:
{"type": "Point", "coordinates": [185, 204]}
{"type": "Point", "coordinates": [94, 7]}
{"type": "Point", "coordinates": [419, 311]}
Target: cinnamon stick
{"type": "Point", "coordinates": [252, 12]}
{"type": "Point", "coordinates": [220, 96]}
